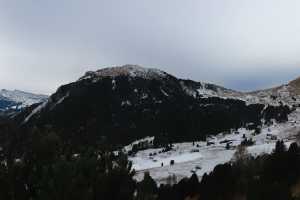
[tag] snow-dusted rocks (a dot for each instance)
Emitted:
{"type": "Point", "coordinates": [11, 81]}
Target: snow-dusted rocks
{"type": "Point", "coordinates": [275, 96]}
{"type": "Point", "coordinates": [288, 94]}
{"type": "Point", "coordinates": [126, 70]}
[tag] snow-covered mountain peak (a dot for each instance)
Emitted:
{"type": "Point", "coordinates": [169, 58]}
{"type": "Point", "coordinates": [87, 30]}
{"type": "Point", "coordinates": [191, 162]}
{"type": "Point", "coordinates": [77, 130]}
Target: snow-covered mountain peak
{"type": "Point", "coordinates": [18, 99]}
{"type": "Point", "coordinates": [126, 70]}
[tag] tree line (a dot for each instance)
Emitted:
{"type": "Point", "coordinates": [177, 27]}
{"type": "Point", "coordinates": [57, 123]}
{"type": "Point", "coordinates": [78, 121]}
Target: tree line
{"type": "Point", "coordinates": [39, 165]}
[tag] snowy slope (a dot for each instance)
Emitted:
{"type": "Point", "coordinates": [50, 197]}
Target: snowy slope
{"type": "Point", "coordinates": [287, 94]}
{"type": "Point", "coordinates": [17, 99]}
{"type": "Point", "coordinates": [283, 94]}
{"type": "Point", "coordinates": [201, 158]}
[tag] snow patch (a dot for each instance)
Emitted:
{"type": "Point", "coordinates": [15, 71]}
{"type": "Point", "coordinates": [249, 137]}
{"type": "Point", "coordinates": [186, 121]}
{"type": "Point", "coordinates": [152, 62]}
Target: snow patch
{"type": "Point", "coordinates": [126, 103]}
{"type": "Point", "coordinates": [114, 84]}
{"type": "Point", "coordinates": [146, 139]}
{"type": "Point", "coordinates": [164, 92]}
{"type": "Point", "coordinates": [35, 111]}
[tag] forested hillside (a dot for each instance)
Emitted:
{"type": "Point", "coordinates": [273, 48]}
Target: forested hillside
{"type": "Point", "coordinates": [47, 169]}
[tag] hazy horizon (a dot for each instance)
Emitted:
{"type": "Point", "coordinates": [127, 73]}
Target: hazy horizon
{"type": "Point", "coordinates": [256, 84]}
{"type": "Point", "coordinates": [242, 45]}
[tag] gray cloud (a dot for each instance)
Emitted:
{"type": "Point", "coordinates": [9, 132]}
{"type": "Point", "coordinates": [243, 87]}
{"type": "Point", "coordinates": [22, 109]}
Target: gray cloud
{"type": "Point", "coordinates": [244, 45]}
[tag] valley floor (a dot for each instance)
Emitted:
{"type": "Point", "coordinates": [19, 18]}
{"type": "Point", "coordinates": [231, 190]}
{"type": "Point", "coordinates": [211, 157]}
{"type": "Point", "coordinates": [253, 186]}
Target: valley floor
{"type": "Point", "coordinates": [201, 158]}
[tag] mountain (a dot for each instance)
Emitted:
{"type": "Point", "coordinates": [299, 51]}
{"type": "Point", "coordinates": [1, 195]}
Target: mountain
{"type": "Point", "coordinates": [288, 94]}
{"type": "Point", "coordinates": [200, 157]}
{"type": "Point", "coordinates": [12, 101]}
{"type": "Point", "coordinates": [295, 86]}
{"type": "Point", "coordinates": [61, 147]}
{"type": "Point", "coordinates": [121, 104]}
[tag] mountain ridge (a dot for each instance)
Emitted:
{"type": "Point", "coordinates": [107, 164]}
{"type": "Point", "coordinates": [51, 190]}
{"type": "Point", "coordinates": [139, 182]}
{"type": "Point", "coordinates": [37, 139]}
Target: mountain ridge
{"type": "Point", "coordinates": [14, 100]}
{"type": "Point", "coordinates": [122, 104]}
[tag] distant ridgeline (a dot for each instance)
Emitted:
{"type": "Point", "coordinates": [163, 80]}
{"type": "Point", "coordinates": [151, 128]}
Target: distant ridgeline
{"type": "Point", "coordinates": [121, 104]}
{"type": "Point", "coordinates": [12, 102]}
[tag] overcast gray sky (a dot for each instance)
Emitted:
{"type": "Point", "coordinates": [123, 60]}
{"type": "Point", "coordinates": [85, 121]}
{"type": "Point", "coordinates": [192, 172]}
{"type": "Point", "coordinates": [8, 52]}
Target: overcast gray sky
{"type": "Point", "coordinates": [241, 44]}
